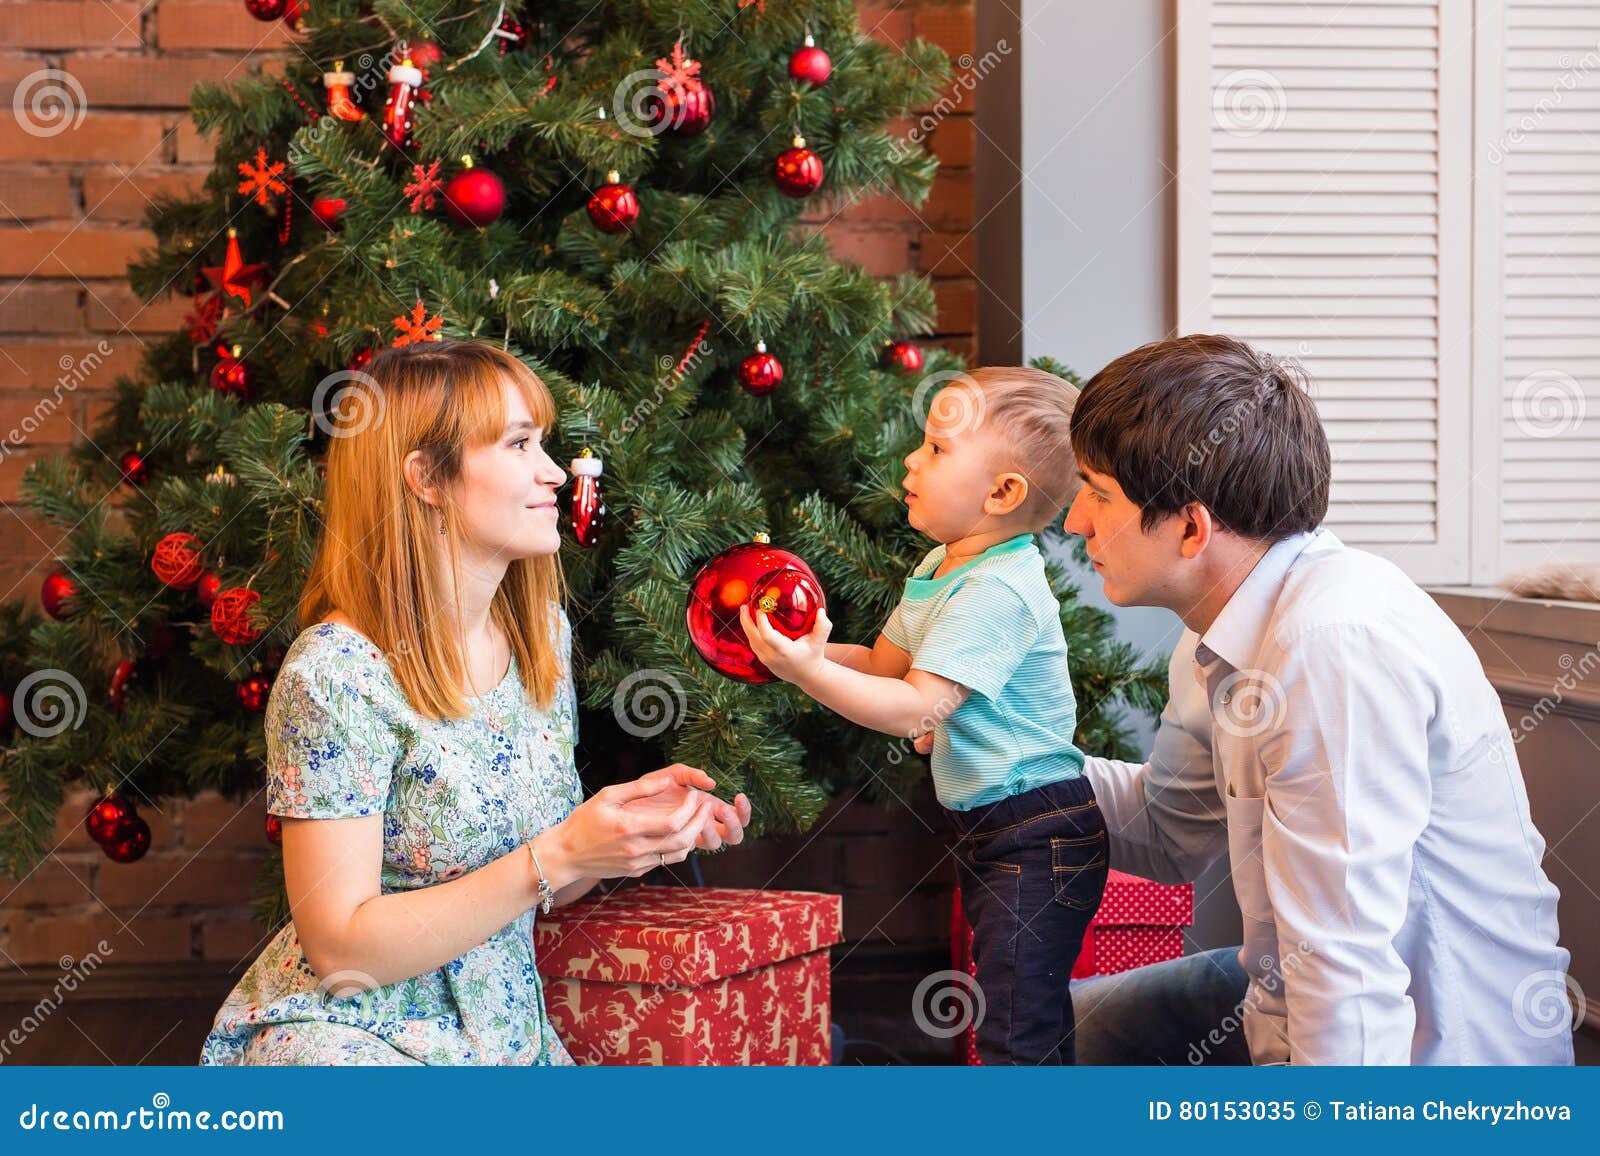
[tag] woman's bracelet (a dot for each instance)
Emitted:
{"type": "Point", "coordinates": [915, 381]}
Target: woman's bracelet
{"type": "Point", "coordinates": [547, 894]}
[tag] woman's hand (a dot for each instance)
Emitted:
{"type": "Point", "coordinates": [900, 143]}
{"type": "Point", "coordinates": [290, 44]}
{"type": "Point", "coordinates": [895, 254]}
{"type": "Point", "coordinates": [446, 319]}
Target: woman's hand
{"type": "Point", "coordinates": [791, 659]}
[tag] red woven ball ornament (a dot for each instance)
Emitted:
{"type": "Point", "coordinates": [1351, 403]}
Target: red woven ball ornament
{"type": "Point", "coordinates": [720, 588]}
{"type": "Point", "coordinates": [230, 616]}
{"type": "Point", "coordinates": [177, 561]}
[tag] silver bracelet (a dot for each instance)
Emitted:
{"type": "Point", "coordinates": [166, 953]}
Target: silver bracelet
{"type": "Point", "coordinates": [547, 894]}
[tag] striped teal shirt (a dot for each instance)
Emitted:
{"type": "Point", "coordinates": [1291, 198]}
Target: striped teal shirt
{"type": "Point", "coordinates": [994, 626]}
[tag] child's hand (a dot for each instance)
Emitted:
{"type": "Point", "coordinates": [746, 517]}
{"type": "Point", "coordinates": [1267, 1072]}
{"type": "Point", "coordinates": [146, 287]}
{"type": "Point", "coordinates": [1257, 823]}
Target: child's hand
{"type": "Point", "coordinates": [791, 659]}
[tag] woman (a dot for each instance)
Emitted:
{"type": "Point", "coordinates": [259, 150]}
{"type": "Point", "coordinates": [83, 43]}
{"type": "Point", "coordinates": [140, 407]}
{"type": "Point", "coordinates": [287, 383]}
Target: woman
{"type": "Point", "coordinates": [420, 742]}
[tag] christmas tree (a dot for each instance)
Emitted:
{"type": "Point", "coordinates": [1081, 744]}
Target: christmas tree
{"type": "Point", "coordinates": [611, 191]}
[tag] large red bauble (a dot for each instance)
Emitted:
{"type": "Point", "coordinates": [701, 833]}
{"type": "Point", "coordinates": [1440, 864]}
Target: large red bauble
{"type": "Point", "coordinates": [177, 561]}
{"type": "Point", "coordinates": [327, 211]}
{"type": "Point", "coordinates": [790, 599]}
{"type": "Point", "coordinates": [614, 207]}
{"type": "Point", "coordinates": [905, 356]}
{"type": "Point", "coordinates": [682, 111]}
{"type": "Point", "coordinates": [474, 197]}
{"type": "Point", "coordinates": [797, 171]}
{"type": "Point", "coordinates": [54, 593]}
{"type": "Point", "coordinates": [129, 841]}
{"type": "Point", "coordinates": [760, 373]}
{"type": "Point", "coordinates": [716, 593]}
{"type": "Point", "coordinates": [106, 817]}
{"type": "Point", "coordinates": [266, 9]}
{"type": "Point", "coordinates": [810, 64]}
{"type": "Point", "coordinates": [230, 616]}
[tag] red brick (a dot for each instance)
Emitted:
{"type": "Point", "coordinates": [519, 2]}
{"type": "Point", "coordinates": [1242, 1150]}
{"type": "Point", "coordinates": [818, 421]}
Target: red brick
{"type": "Point", "coordinates": [952, 27]}
{"type": "Point", "coordinates": [880, 209]}
{"type": "Point", "coordinates": [235, 939]}
{"type": "Point", "coordinates": [23, 568]}
{"type": "Point", "coordinates": [176, 879]}
{"type": "Point", "coordinates": [114, 307]}
{"type": "Point", "coordinates": [950, 204]}
{"type": "Point", "coordinates": [215, 24]}
{"type": "Point", "coordinates": [881, 252]}
{"type": "Point", "coordinates": [219, 824]}
{"type": "Point", "coordinates": [949, 254]}
{"type": "Point", "coordinates": [39, 307]}
{"type": "Point", "coordinates": [141, 81]}
{"type": "Point", "coordinates": [52, 883]}
{"type": "Point", "coordinates": [963, 346]}
{"type": "Point", "coordinates": [52, 938]}
{"type": "Point", "coordinates": [59, 24]}
{"type": "Point", "coordinates": [65, 251]}
{"type": "Point", "coordinates": [37, 420]}
{"type": "Point", "coordinates": [127, 194]}
{"type": "Point", "coordinates": [27, 195]}
{"type": "Point", "coordinates": [129, 137]}
{"type": "Point", "coordinates": [954, 142]}
{"type": "Point", "coordinates": [889, 22]}
{"type": "Point", "coordinates": [194, 148]}
{"type": "Point", "coordinates": [957, 303]}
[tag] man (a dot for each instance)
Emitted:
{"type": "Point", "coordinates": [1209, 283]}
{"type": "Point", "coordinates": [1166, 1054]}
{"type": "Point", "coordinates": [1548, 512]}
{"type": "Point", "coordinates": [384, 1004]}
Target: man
{"type": "Point", "coordinates": [1328, 727]}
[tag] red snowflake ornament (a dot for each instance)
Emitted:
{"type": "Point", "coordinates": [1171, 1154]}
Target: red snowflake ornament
{"type": "Point", "coordinates": [261, 178]}
{"type": "Point", "coordinates": [425, 186]}
{"type": "Point", "coordinates": [678, 73]}
{"type": "Point", "coordinates": [418, 327]}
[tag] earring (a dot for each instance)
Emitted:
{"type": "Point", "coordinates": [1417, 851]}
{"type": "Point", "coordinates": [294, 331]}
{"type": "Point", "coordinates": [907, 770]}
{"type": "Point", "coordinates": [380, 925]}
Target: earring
{"type": "Point", "coordinates": [441, 523]}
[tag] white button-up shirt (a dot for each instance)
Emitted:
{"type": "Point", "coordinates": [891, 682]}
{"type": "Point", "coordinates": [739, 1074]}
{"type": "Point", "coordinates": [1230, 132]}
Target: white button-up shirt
{"type": "Point", "coordinates": [1335, 733]}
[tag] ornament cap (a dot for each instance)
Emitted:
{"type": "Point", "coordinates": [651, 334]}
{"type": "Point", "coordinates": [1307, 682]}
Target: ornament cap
{"type": "Point", "coordinates": [406, 73]}
{"type": "Point", "coordinates": [466, 160]}
{"type": "Point", "coordinates": [762, 538]}
{"type": "Point", "coordinates": [799, 141]}
{"type": "Point", "coordinates": [761, 346]}
{"type": "Point", "coordinates": [236, 350]}
{"type": "Point", "coordinates": [810, 40]}
{"type": "Point", "coordinates": [613, 177]}
{"type": "Point", "coordinates": [587, 465]}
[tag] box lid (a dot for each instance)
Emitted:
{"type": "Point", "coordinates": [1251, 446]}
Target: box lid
{"type": "Point", "coordinates": [1131, 901]}
{"type": "Point", "coordinates": [682, 935]}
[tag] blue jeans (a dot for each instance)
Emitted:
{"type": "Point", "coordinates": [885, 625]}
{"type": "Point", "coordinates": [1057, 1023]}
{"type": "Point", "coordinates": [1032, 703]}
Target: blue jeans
{"type": "Point", "coordinates": [1032, 870]}
{"type": "Point", "coordinates": [1183, 1011]}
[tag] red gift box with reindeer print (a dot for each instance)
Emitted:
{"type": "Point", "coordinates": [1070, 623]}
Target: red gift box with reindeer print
{"type": "Point", "coordinates": [691, 975]}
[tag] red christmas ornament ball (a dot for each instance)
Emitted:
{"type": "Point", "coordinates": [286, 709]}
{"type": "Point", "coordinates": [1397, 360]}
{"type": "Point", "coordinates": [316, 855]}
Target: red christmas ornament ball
{"type": "Point", "coordinates": [254, 691]}
{"type": "Point", "coordinates": [474, 197]}
{"type": "Point", "coordinates": [274, 827]}
{"type": "Point", "coordinates": [790, 599]}
{"type": "Point", "coordinates": [230, 616]}
{"type": "Point", "coordinates": [760, 373]}
{"type": "Point", "coordinates": [176, 560]}
{"type": "Point", "coordinates": [720, 588]}
{"type": "Point", "coordinates": [328, 210]}
{"type": "Point", "coordinates": [797, 171]}
{"type": "Point", "coordinates": [55, 592]}
{"type": "Point", "coordinates": [129, 842]}
{"type": "Point", "coordinates": [106, 817]}
{"type": "Point", "coordinates": [231, 375]}
{"type": "Point", "coordinates": [207, 588]}
{"type": "Point", "coordinates": [135, 469]}
{"type": "Point", "coordinates": [361, 360]}
{"type": "Point", "coordinates": [905, 356]}
{"type": "Point", "coordinates": [810, 64]}
{"type": "Point", "coordinates": [266, 9]}
{"type": "Point", "coordinates": [124, 675]}
{"type": "Point", "coordinates": [614, 207]}
{"type": "Point", "coordinates": [682, 111]}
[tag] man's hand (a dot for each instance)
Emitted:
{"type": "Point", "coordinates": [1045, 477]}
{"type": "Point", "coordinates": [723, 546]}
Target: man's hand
{"type": "Point", "coordinates": [791, 659]}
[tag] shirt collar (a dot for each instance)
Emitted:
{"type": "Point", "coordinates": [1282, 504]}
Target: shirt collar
{"type": "Point", "coordinates": [1235, 636]}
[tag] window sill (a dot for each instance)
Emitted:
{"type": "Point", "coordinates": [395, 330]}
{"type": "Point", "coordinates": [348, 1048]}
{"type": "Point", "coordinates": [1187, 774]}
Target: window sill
{"type": "Point", "coordinates": [1533, 649]}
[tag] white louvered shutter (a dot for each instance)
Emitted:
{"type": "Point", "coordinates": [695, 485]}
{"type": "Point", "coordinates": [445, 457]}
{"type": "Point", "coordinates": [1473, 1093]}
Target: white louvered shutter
{"type": "Point", "coordinates": [1546, 158]}
{"type": "Point", "coordinates": [1324, 213]}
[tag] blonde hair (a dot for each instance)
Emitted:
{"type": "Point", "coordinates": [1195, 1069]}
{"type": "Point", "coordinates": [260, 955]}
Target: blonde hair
{"type": "Point", "coordinates": [1033, 409]}
{"type": "Point", "coordinates": [376, 559]}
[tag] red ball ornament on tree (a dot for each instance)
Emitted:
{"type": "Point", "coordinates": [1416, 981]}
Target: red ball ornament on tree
{"type": "Point", "coordinates": [254, 692]}
{"type": "Point", "coordinates": [810, 63]}
{"type": "Point", "coordinates": [723, 585]}
{"type": "Point", "coordinates": [682, 111]}
{"type": "Point", "coordinates": [274, 828]}
{"type": "Point", "coordinates": [614, 207]}
{"type": "Point", "coordinates": [905, 356]}
{"type": "Point", "coordinates": [326, 211]}
{"type": "Point", "coordinates": [231, 375]}
{"type": "Point", "coordinates": [588, 507]}
{"type": "Point", "coordinates": [106, 817]}
{"type": "Point", "coordinates": [135, 470]}
{"type": "Point", "coordinates": [474, 197]}
{"type": "Point", "coordinates": [760, 373]}
{"type": "Point", "coordinates": [129, 842]}
{"type": "Point", "coordinates": [56, 594]}
{"type": "Point", "coordinates": [125, 675]}
{"type": "Point", "coordinates": [790, 599]}
{"type": "Point", "coordinates": [798, 170]}
{"type": "Point", "coordinates": [266, 9]}
{"type": "Point", "coordinates": [176, 560]}
{"type": "Point", "coordinates": [404, 80]}
{"type": "Point", "coordinates": [207, 589]}
{"type": "Point", "coordinates": [230, 616]}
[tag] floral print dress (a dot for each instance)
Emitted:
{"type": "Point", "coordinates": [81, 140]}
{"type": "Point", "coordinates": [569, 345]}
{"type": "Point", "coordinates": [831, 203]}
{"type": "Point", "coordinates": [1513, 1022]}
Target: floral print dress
{"type": "Point", "coordinates": [343, 741]}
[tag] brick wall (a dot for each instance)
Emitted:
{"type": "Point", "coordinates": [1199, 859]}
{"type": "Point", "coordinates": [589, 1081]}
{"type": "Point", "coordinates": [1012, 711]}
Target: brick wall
{"type": "Point", "coordinates": [71, 216]}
